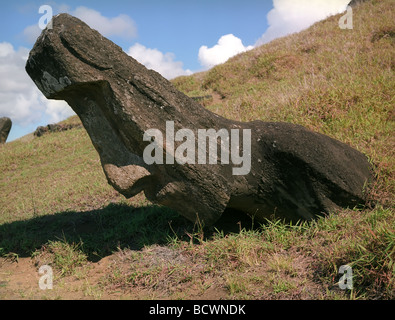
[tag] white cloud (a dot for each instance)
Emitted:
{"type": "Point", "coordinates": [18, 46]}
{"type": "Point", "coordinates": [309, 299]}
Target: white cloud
{"type": "Point", "coordinates": [121, 26]}
{"type": "Point", "coordinates": [156, 60]}
{"type": "Point", "coordinates": [20, 99]}
{"type": "Point", "coordinates": [31, 33]}
{"type": "Point", "coordinates": [289, 16]}
{"type": "Point", "coordinates": [6, 49]}
{"type": "Point", "coordinates": [57, 110]}
{"type": "Point", "coordinates": [227, 46]}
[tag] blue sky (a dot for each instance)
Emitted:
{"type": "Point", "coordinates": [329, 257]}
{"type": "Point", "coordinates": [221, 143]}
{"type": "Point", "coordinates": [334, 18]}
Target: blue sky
{"type": "Point", "coordinates": [177, 26]}
{"type": "Point", "coordinates": [174, 37]}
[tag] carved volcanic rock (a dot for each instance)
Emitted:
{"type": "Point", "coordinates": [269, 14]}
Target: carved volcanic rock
{"type": "Point", "coordinates": [5, 128]}
{"type": "Point", "coordinates": [295, 173]}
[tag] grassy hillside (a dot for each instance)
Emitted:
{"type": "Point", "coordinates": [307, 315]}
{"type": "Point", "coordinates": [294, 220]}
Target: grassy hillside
{"type": "Point", "coordinates": [56, 207]}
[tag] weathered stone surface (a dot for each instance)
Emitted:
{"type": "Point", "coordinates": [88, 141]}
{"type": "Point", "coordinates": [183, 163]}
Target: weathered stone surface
{"type": "Point", "coordinates": [5, 128]}
{"type": "Point", "coordinates": [295, 173]}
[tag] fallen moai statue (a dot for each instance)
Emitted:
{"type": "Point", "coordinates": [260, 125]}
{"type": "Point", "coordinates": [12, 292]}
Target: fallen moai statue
{"type": "Point", "coordinates": [5, 128]}
{"type": "Point", "coordinates": [153, 138]}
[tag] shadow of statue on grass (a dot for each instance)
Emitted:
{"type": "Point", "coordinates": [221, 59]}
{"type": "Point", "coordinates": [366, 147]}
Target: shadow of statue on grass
{"type": "Point", "coordinates": [103, 231]}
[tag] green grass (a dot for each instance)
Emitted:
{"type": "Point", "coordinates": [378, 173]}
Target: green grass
{"type": "Point", "coordinates": [282, 252]}
{"type": "Point", "coordinates": [61, 255]}
{"type": "Point", "coordinates": [34, 180]}
{"type": "Point", "coordinates": [56, 206]}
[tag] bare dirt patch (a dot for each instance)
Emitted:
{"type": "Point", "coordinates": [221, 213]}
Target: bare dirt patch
{"type": "Point", "coordinates": [155, 273]}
